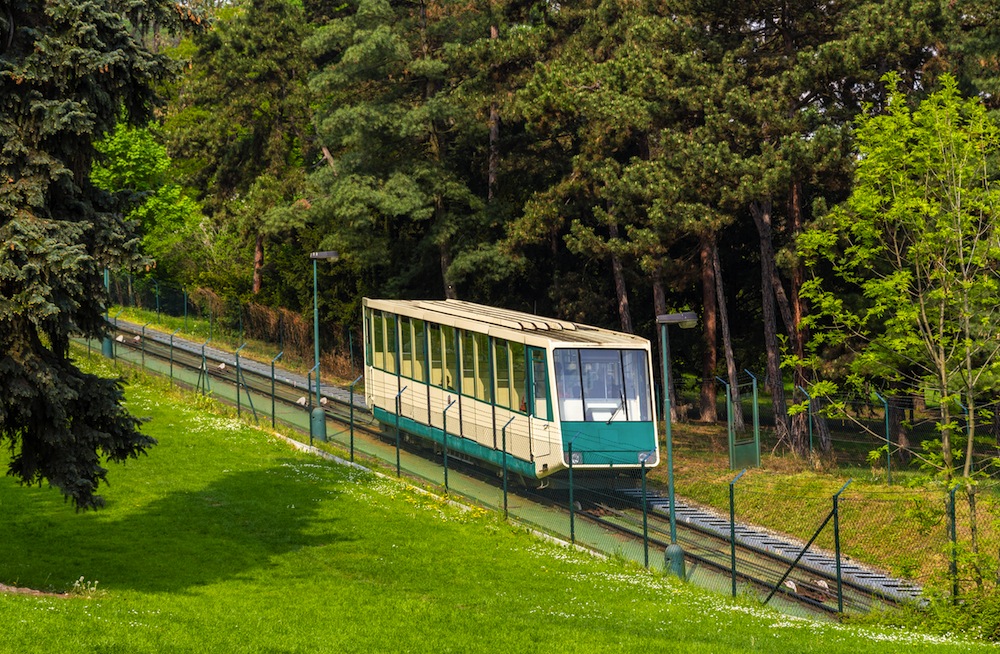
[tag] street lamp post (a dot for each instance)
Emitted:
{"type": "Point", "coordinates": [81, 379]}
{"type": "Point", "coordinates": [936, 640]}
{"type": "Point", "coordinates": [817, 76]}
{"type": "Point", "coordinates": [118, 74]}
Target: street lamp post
{"type": "Point", "coordinates": [685, 320]}
{"type": "Point", "coordinates": [318, 416]}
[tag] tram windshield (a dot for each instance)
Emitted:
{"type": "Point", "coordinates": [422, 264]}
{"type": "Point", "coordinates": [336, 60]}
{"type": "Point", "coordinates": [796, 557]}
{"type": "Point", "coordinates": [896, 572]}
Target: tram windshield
{"type": "Point", "coordinates": [597, 385]}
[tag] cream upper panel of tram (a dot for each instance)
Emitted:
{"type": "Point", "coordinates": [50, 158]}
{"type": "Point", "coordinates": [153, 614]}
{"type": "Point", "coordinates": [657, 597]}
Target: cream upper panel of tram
{"type": "Point", "coordinates": [507, 324]}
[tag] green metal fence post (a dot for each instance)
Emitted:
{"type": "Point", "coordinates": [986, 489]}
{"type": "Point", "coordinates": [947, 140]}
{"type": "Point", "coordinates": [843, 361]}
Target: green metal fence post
{"type": "Point", "coordinates": [239, 411]}
{"type": "Point", "coordinates": [444, 440]}
{"type": "Point", "coordinates": [732, 525]}
{"type": "Point", "coordinates": [572, 523]}
{"type": "Point", "coordinates": [888, 442]}
{"type": "Point", "coordinates": [142, 344]}
{"type": "Point", "coordinates": [203, 375]}
{"type": "Point", "coordinates": [645, 513]}
{"type": "Point", "coordinates": [503, 447]}
{"type": "Point", "coordinates": [172, 356]}
{"type": "Point", "coordinates": [280, 354]}
{"type": "Point", "coordinates": [953, 536]}
{"type": "Point", "coordinates": [836, 545]}
{"type": "Point", "coordinates": [399, 404]}
{"type": "Point", "coordinates": [353, 384]}
{"type": "Point", "coordinates": [756, 417]}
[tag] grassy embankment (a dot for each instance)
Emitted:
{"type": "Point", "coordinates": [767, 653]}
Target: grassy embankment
{"type": "Point", "coordinates": [223, 539]}
{"type": "Point", "coordinates": [898, 528]}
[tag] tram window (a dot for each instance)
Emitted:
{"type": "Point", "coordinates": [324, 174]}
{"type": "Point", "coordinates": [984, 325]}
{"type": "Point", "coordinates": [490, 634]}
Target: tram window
{"type": "Point", "coordinates": [484, 384]}
{"type": "Point", "coordinates": [501, 356]}
{"type": "Point", "coordinates": [569, 387]}
{"type": "Point", "coordinates": [636, 385]}
{"type": "Point", "coordinates": [450, 362]}
{"type": "Point", "coordinates": [468, 363]}
{"type": "Point", "coordinates": [434, 349]}
{"type": "Point", "coordinates": [390, 344]}
{"type": "Point", "coordinates": [540, 385]}
{"type": "Point", "coordinates": [419, 363]}
{"type": "Point", "coordinates": [406, 347]}
{"type": "Point", "coordinates": [518, 378]}
{"type": "Point", "coordinates": [368, 337]}
{"type": "Point", "coordinates": [378, 340]}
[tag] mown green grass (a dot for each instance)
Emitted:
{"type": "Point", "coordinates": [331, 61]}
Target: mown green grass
{"type": "Point", "coordinates": [224, 539]}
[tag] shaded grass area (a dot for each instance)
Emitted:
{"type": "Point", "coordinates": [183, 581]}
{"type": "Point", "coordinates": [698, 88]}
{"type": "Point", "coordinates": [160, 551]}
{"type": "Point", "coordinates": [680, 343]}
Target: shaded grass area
{"type": "Point", "coordinates": [223, 539]}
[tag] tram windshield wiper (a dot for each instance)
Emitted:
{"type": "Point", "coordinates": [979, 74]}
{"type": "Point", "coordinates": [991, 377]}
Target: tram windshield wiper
{"type": "Point", "coordinates": [620, 407]}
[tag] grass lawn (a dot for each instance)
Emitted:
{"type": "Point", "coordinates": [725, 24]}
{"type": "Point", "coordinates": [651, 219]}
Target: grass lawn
{"type": "Point", "coordinates": [224, 539]}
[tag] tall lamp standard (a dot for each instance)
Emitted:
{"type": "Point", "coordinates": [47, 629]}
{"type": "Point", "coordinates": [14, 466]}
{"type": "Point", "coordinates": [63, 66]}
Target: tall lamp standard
{"type": "Point", "coordinates": [685, 320]}
{"type": "Point", "coordinates": [318, 416]}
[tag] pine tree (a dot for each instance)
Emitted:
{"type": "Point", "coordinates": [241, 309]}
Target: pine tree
{"type": "Point", "coordinates": [68, 72]}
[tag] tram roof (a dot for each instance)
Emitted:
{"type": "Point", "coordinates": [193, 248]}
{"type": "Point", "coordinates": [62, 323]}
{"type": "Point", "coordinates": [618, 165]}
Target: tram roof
{"type": "Point", "coordinates": [479, 317]}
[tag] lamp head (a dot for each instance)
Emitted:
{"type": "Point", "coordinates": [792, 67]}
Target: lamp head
{"type": "Point", "coordinates": [329, 254]}
{"type": "Point", "coordinates": [684, 320]}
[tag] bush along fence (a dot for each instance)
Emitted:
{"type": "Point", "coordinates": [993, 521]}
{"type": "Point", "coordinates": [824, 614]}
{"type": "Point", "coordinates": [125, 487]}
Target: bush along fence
{"type": "Point", "coordinates": [202, 313]}
{"type": "Point", "coordinates": [894, 437]}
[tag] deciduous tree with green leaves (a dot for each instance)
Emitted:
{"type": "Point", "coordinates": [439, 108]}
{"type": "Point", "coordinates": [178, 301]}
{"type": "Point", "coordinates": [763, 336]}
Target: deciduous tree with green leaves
{"type": "Point", "coordinates": [68, 72]}
{"type": "Point", "coordinates": [904, 274]}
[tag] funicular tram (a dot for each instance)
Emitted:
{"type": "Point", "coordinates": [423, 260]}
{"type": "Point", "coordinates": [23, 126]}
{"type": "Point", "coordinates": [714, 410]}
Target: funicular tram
{"type": "Point", "coordinates": [529, 386]}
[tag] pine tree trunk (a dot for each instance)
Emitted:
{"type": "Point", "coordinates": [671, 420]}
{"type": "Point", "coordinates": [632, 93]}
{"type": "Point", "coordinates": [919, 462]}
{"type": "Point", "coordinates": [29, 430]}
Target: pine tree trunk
{"type": "Point", "coordinates": [709, 328]}
{"type": "Point", "coordinates": [761, 212]}
{"type": "Point", "coordinates": [494, 155]}
{"type": "Point", "coordinates": [621, 290]}
{"type": "Point", "coordinates": [800, 428]}
{"type": "Point", "coordinates": [258, 264]}
{"type": "Point", "coordinates": [727, 343]}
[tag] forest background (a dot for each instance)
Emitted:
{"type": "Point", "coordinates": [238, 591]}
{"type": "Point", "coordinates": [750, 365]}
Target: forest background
{"type": "Point", "coordinates": [599, 161]}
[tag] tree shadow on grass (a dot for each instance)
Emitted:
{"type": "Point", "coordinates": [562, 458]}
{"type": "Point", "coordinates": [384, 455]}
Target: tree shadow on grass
{"type": "Point", "coordinates": [232, 527]}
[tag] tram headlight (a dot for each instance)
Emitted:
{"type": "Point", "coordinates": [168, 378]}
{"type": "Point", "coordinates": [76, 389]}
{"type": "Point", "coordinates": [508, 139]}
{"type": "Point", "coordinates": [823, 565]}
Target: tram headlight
{"type": "Point", "coordinates": [577, 458]}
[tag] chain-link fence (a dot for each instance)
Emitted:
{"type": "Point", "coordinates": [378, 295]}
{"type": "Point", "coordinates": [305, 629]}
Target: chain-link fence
{"type": "Point", "coordinates": [203, 314]}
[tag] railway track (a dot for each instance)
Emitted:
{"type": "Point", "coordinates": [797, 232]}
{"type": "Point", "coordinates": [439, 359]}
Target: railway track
{"type": "Point", "coordinates": [762, 558]}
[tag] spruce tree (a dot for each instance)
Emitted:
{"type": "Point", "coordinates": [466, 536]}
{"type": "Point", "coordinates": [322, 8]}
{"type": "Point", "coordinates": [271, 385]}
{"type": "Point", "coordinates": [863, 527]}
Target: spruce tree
{"type": "Point", "coordinates": [68, 72]}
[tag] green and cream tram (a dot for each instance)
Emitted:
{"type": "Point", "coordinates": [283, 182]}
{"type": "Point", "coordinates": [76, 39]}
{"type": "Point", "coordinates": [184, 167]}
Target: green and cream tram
{"type": "Point", "coordinates": [503, 381]}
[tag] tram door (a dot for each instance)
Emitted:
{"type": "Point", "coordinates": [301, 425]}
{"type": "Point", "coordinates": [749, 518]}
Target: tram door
{"type": "Point", "coordinates": [543, 432]}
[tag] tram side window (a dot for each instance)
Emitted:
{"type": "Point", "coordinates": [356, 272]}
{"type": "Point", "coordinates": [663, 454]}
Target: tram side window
{"type": "Point", "coordinates": [450, 362]}
{"type": "Point", "coordinates": [540, 386]}
{"type": "Point", "coordinates": [406, 347]}
{"type": "Point", "coordinates": [501, 355]}
{"type": "Point", "coordinates": [468, 363]}
{"type": "Point", "coordinates": [419, 363]}
{"type": "Point", "coordinates": [368, 336]}
{"type": "Point", "coordinates": [390, 344]}
{"type": "Point", "coordinates": [518, 378]}
{"type": "Point", "coordinates": [435, 352]}
{"type": "Point", "coordinates": [484, 383]}
{"type": "Point", "coordinates": [378, 340]}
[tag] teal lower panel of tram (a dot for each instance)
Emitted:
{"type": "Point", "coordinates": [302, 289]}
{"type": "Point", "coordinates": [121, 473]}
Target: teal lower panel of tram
{"type": "Point", "coordinates": [457, 443]}
{"type": "Point", "coordinates": [615, 443]}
